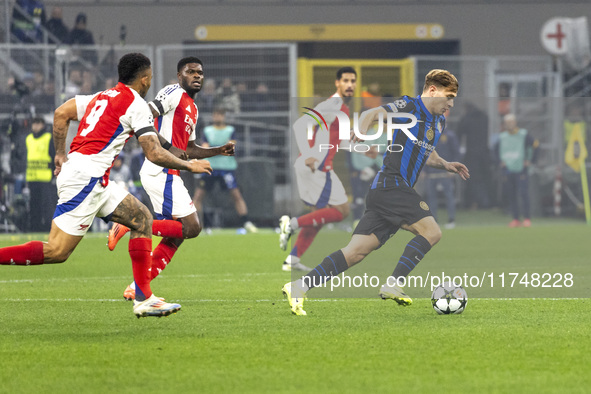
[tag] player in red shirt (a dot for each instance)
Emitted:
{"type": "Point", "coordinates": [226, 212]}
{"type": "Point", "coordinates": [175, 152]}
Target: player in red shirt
{"type": "Point", "coordinates": [107, 120]}
{"type": "Point", "coordinates": [176, 117]}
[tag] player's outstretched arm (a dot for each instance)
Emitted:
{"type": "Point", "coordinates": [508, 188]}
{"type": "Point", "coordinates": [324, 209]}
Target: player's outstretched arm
{"type": "Point", "coordinates": [436, 161]}
{"type": "Point", "coordinates": [158, 155]}
{"type": "Point", "coordinates": [61, 122]}
{"type": "Point", "coordinates": [176, 152]}
{"type": "Point", "coordinates": [195, 151]}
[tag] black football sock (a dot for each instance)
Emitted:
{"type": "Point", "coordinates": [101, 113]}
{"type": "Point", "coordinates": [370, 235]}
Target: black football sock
{"type": "Point", "coordinates": [332, 265]}
{"type": "Point", "coordinates": [244, 219]}
{"type": "Point", "coordinates": [414, 252]}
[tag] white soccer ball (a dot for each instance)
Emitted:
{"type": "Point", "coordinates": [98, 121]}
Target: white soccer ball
{"type": "Point", "coordinates": [448, 299]}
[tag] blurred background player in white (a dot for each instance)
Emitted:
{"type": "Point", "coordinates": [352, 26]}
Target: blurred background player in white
{"type": "Point", "coordinates": [107, 120]}
{"type": "Point", "coordinates": [224, 168]}
{"type": "Point", "coordinates": [176, 116]}
{"type": "Point", "coordinates": [319, 186]}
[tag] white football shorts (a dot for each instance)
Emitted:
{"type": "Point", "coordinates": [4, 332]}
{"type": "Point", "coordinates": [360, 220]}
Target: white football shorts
{"type": "Point", "coordinates": [168, 194]}
{"type": "Point", "coordinates": [82, 198]}
{"type": "Point", "coordinates": [320, 189]}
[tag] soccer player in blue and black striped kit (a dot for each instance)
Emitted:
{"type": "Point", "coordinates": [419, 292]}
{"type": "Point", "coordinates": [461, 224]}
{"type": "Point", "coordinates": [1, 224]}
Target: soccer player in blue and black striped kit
{"type": "Point", "coordinates": [391, 202]}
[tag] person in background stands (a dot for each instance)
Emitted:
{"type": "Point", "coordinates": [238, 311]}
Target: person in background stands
{"type": "Point", "coordinates": [40, 156]}
{"type": "Point", "coordinates": [56, 26]}
{"type": "Point", "coordinates": [515, 153]}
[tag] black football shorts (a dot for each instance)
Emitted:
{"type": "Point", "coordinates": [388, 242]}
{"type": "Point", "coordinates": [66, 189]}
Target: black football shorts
{"type": "Point", "coordinates": [389, 208]}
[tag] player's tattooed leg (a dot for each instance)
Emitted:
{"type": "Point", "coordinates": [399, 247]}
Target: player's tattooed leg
{"type": "Point", "coordinates": [135, 215]}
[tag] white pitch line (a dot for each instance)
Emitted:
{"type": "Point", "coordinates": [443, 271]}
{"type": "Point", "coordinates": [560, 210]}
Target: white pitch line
{"type": "Point", "coordinates": [123, 300]}
{"type": "Point", "coordinates": [263, 300]}
{"type": "Point", "coordinates": [225, 277]}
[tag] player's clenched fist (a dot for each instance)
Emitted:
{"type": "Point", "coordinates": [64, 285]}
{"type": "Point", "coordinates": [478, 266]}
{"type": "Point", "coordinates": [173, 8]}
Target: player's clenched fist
{"type": "Point", "coordinates": [227, 149]}
{"type": "Point", "coordinates": [200, 166]}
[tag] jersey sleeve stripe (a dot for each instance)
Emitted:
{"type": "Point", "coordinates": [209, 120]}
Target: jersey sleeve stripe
{"type": "Point", "coordinates": [145, 130]}
{"type": "Point", "coordinates": [157, 106]}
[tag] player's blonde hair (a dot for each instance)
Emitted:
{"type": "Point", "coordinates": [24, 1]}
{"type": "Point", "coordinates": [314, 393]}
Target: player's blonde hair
{"type": "Point", "coordinates": [442, 79]}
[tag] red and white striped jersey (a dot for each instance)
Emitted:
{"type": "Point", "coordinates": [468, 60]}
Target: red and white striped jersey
{"type": "Point", "coordinates": [177, 120]}
{"type": "Point", "coordinates": [328, 109]}
{"type": "Point", "coordinates": [107, 120]}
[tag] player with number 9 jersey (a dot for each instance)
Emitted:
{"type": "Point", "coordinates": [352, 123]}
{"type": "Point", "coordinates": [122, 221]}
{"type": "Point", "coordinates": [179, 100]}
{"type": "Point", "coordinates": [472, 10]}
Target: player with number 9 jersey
{"type": "Point", "coordinates": [107, 120]}
{"type": "Point", "coordinates": [120, 110]}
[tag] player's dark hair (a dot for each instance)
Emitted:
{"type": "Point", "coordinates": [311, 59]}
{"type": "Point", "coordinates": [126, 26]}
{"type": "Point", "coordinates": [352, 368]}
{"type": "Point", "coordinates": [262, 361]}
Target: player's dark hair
{"type": "Point", "coordinates": [219, 110]}
{"type": "Point", "coordinates": [345, 70]}
{"type": "Point", "coordinates": [187, 60]}
{"type": "Point", "coordinates": [441, 79]}
{"type": "Point", "coordinates": [131, 66]}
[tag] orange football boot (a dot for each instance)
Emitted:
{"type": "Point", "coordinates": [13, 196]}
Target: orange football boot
{"type": "Point", "coordinates": [115, 234]}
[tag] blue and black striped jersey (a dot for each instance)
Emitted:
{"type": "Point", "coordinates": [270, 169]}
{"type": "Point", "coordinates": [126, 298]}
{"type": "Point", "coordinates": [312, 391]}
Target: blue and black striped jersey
{"type": "Point", "coordinates": [406, 165]}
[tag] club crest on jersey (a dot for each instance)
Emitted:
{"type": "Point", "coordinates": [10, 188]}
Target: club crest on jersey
{"type": "Point", "coordinates": [430, 134]}
{"type": "Point", "coordinates": [424, 205]}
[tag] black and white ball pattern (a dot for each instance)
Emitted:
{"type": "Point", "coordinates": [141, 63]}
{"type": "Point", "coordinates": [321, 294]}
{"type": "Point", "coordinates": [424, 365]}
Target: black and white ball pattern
{"type": "Point", "coordinates": [449, 299]}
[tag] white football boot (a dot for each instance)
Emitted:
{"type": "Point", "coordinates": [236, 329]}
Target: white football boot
{"type": "Point", "coordinates": [292, 263]}
{"type": "Point", "coordinates": [285, 231]}
{"type": "Point", "coordinates": [154, 306]}
{"type": "Point", "coordinates": [250, 227]}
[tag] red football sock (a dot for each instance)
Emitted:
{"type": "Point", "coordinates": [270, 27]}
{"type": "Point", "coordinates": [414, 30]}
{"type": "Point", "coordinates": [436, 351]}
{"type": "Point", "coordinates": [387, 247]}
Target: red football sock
{"type": "Point", "coordinates": [167, 228]}
{"type": "Point", "coordinates": [162, 256]}
{"type": "Point", "coordinates": [30, 253]}
{"type": "Point", "coordinates": [304, 240]}
{"type": "Point", "coordinates": [140, 250]}
{"type": "Point", "coordinates": [320, 217]}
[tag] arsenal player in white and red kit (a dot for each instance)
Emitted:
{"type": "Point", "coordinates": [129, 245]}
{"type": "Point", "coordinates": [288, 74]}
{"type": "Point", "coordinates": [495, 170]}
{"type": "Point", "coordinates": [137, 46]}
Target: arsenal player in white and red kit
{"type": "Point", "coordinates": [176, 116]}
{"type": "Point", "coordinates": [107, 120]}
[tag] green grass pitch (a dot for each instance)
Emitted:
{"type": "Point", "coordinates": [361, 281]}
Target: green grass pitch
{"type": "Point", "coordinates": [66, 329]}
